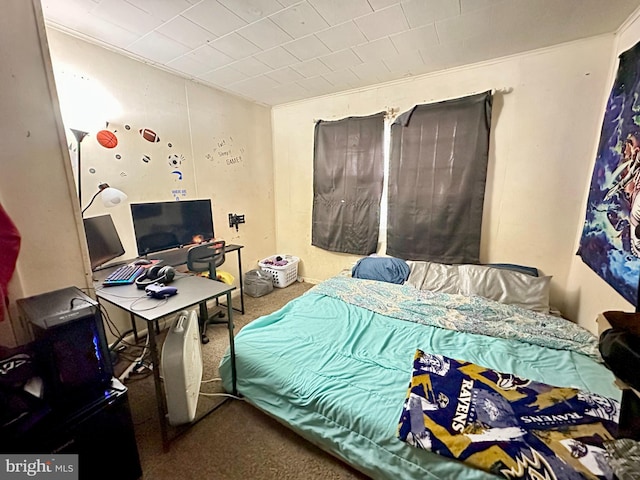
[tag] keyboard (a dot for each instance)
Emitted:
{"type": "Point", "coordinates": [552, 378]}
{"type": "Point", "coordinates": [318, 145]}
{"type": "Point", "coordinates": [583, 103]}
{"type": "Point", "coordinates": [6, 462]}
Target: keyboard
{"type": "Point", "coordinates": [124, 275]}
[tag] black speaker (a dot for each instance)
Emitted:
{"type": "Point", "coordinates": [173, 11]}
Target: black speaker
{"type": "Point", "coordinates": [71, 349]}
{"type": "Point", "coordinates": [156, 274]}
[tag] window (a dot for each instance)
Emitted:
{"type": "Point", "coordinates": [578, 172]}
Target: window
{"type": "Point", "coordinates": [347, 184]}
{"type": "Point", "coordinates": [437, 173]}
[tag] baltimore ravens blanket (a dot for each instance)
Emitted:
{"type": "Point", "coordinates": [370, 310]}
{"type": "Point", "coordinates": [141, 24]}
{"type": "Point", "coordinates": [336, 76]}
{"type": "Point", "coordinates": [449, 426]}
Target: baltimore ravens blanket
{"type": "Point", "coordinates": [509, 426]}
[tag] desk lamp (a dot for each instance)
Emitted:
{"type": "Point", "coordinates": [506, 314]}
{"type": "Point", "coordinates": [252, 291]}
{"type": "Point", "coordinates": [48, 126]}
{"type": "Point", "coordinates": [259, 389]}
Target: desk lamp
{"type": "Point", "coordinates": [110, 196]}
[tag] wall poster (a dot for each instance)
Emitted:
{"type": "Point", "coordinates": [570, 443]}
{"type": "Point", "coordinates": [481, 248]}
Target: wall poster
{"type": "Point", "coordinates": [610, 242]}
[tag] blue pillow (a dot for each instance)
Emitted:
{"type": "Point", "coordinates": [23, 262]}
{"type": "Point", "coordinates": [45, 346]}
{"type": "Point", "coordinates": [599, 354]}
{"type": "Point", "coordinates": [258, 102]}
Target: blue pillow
{"type": "Point", "coordinates": [533, 271]}
{"type": "Point", "coordinates": [384, 269]}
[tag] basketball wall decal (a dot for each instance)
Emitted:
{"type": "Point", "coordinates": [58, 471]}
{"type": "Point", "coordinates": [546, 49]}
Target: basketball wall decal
{"type": "Point", "coordinates": [107, 139]}
{"type": "Point", "coordinates": [149, 135]}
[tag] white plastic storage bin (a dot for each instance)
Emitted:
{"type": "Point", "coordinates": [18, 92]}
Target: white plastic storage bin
{"type": "Point", "coordinates": [283, 275]}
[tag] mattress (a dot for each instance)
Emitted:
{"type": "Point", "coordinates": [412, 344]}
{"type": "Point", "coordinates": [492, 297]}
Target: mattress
{"type": "Point", "coordinates": [337, 370]}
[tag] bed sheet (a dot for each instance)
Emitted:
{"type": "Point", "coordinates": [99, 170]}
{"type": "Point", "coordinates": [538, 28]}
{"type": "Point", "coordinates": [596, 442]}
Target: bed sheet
{"type": "Point", "coordinates": [338, 374]}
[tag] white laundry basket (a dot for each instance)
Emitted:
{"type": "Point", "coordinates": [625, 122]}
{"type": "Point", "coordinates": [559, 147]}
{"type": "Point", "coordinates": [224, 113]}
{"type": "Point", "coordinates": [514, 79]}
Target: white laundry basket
{"type": "Point", "coordinates": [283, 275]}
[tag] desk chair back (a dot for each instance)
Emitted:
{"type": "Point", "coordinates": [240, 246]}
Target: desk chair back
{"type": "Point", "coordinates": [206, 257]}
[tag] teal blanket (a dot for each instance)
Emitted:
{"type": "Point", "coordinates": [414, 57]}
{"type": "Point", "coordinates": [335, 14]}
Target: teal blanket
{"type": "Point", "coordinates": [338, 373]}
{"type": "Point", "coordinates": [463, 314]}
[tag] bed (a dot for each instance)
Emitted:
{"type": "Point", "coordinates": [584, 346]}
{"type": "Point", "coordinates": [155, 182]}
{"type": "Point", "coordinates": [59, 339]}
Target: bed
{"type": "Point", "coordinates": [335, 365]}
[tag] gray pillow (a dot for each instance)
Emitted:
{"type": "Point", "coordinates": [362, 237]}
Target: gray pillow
{"type": "Point", "coordinates": [437, 277]}
{"type": "Point", "coordinates": [505, 286]}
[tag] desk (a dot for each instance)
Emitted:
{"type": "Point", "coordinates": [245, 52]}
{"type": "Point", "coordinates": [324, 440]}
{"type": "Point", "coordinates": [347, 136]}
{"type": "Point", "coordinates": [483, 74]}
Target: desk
{"type": "Point", "coordinates": [192, 291]}
{"type": "Point", "coordinates": [178, 256]}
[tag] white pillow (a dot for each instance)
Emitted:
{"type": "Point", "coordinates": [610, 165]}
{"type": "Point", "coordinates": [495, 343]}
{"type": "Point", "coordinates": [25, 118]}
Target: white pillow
{"type": "Point", "coordinates": [506, 286]}
{"type": "Point", "coordinates": [437, 277]}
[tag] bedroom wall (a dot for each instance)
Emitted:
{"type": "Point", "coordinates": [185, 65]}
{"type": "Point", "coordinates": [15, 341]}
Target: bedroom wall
{"type": "Point", "coordinates": [546, 118]}
{"type": "Point", "coordinates": [36, 184]}
{"type": "Point", "coordinates": [589, 293]}
{"type": "Point", "coordinates": [211, 144]}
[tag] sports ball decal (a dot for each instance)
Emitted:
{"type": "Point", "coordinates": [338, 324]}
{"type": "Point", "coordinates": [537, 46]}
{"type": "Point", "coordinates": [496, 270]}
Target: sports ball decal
{"type": "Point", "coordinates": [107, 139]}
{"type": "Point", "coordinates": [175, 160]}
{"type": "Point", "coordinates": [149, 135]}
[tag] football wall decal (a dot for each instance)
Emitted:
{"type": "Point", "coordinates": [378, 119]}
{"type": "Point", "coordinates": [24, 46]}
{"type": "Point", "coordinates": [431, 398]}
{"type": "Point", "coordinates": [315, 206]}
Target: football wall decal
{"type": "Point", "coordinates": [107, 139]}
{"type": "Point", "coordinates": [149, 135]}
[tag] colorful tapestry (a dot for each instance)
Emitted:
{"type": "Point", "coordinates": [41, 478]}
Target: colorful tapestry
{"type": "Point", "coordinates": [504, 424]}
{"type": "Point", "coordinates": [610, 243]}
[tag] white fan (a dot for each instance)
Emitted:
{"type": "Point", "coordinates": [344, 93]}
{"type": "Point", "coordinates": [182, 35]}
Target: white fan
{"type": "Point", "coordinates": [182, 368]}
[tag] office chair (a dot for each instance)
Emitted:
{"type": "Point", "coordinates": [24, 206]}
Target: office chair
{"type": "Point", "coordinates": [203, 258]}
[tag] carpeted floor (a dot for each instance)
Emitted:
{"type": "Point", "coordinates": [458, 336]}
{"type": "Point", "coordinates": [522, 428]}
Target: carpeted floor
{"type": "Point", "coordinates": [236, 441]}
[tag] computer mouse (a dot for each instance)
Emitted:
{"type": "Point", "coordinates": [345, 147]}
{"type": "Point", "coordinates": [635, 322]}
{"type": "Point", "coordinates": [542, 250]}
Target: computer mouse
{"type": "Point", "coordinates": [142, 261]}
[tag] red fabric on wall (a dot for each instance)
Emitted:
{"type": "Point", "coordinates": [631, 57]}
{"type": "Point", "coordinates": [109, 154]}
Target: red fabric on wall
{"type": "Point", "coordinates": [9, 248]}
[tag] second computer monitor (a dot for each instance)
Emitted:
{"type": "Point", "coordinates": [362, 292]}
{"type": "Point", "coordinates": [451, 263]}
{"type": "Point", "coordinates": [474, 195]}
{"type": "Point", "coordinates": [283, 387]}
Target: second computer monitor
{"type": "Point", "coordinates": [102, 239]}
{"type": "Point", "coordinates": [162, 226]}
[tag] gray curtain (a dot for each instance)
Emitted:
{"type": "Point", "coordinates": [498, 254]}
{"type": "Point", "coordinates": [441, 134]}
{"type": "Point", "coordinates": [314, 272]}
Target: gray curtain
{"type": "Point", "coordinates": [348, 169]}
{"type": "Point", "coordinates": [437, 174]}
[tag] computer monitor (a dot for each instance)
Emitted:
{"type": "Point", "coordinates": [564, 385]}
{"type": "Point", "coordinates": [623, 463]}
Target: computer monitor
{"type": "Point", "coordinates": [162, 226]}
{"type": "Point", "coordinates": [102, 239]}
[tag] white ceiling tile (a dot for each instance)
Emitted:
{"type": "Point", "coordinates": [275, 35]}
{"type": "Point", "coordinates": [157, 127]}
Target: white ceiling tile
{"type": "Point", "coordinates": [260, 83]}
{"type": "Point", "coordinates": [424, 12]}
{"type": "Point", "coordinates": [210, 56]}
{"type": "Point", "coordinates": [185, 31]}
{"type": "Point", "coordinates": [415, 39]}
{"type": "Point", "coordinates": [162, 9]}
{"type": "Point", "coordinates": [276, 58]}
{"type": "Point", "coordinates": [284, 75]}
{"type": "Point", "coordinates": [104, 31]}
{"type": "Point", "coordinates": [188, 65]}
{"type": "Point", "coordinates": [380, 4]}
{"type": "Point", "coordinates": [339, 11]}
{"type": "Point", "coordinates": [265, 34]}
{"type": "Point", "coordinates": [251, 67]}
{"type": "Point", "coordinates": [252, 10]}
{"type": "Point", "coordinates": [214, 17]}
{"type": "Point", "coordinates": [412, 36]}
{"type": "Point", "coordinates": [311, 68]}
{"type": "Point", "coordinates": [406, 63]}
{"type": "Point", "coordinates": [125, 15]}
{"type": "Point", "coordinates": [382, 23]}
{"type": "Point", "coordinates": [316, 85]}
{"type": "Point", "coordinates": [375, 50]}
{"type": "Point", "coordinates": [342, 79]}
{"type": "Point", "coordinates": [288, 3]}
{"type": "Point", "coordinates": [306, 48]}
{"type": "Point", "coordinates": [285, 94]}
{"type": "Point", "coordinates": [341, 36]}
{"type": "Point", "coordinates": [299, 20]}
{"type": "Point", "coordinates": [158, 48]}
{"type": "Point", "coordinates": [235, 46]}
{"type": "Point", "coordinates": [224, 76]}
{"type": "Point", "coordinates": [372, 72]}
{"type": "Point", "coordinates": [340, 60]}
{"type": "Point", "coordinates": [69, 13]}
{"type": "Point", "coordinates": [473, 24]}
{"type": "Point", "coordinates": [470, 5]}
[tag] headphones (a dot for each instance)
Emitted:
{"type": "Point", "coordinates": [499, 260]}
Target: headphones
{"type": "Point", "coordinates": [155, 274]}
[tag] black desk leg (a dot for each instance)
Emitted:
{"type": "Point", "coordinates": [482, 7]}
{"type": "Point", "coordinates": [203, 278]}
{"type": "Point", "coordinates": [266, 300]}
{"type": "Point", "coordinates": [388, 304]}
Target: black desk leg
{"type": "Point", "coordinates": [161, 400]}
{"type": "Point", "coordinates": [231, 343]}
{"type": "Point", "coordinates": [241, 285]}
{"type": "Point", "coordinates": [134, 327]}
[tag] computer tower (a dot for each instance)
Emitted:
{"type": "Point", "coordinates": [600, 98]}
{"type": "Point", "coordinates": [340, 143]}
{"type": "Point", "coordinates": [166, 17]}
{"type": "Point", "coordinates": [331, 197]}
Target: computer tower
{"type": "Point", "coordinates": [72, 354]}
{"type": "Point", "coordinates": [100, 432]}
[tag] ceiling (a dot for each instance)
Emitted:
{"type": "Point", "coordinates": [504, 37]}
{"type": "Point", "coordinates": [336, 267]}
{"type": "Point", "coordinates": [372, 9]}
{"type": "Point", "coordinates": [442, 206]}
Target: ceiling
{"type": "Point", "coordinates": [279, 51]}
